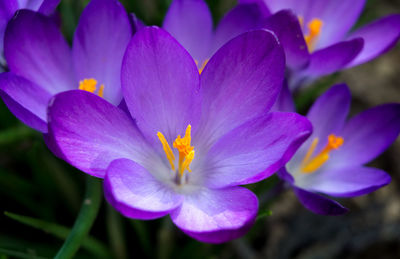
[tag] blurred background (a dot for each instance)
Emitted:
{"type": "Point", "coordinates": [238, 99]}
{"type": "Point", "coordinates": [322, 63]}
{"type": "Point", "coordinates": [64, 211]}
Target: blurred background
{"type": "Point", "coordinates": [35, 184]}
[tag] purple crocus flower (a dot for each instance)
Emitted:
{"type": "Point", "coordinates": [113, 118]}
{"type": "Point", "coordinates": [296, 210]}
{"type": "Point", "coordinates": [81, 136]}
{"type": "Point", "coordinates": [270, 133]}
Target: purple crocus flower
{"type": "Point", "coordinates": [42, 64]}
{"type": "Point", "coordinates": [328, 44]}
{"type": "Point", "coordinates": [190, 22]}
{"type": "Point", "coordinates": [9, 7]}
{"type": "Point", "coordinates": [191, 139]}
{"type": "Point", "coordinates": [331, 161]}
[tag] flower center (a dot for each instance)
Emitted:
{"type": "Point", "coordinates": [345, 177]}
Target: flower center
{"type": "Point", "coordinates": [311, 164]}
{"type": "Point", "coordinates": [314, 30]}
{"type": "Point", "coordinates": [89, 85]}
{"type": "Point", "coordinates": [186, 151]}
{"type": "Point", "coordinates": [203, 65]}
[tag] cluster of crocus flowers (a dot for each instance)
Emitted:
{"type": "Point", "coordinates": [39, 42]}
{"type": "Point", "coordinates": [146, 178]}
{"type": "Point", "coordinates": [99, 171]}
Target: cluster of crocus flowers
{"type": "Point", "coordinates": [175, 120]}
{"type": "Point", "coordinates": [328, 44]}
{"type": "Point", "coordinates": [150, 170]}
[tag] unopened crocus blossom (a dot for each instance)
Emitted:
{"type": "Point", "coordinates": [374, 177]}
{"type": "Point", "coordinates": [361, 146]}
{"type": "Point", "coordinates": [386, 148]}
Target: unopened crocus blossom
{"type": "Point", "coordinates": [327, 36]}
{"type": "Point", "coordinates": [332, 161]}
{"type": "Point", "coordinates": [191, 139]}
{"type": "Point", "coordinates": [42, 64]}
{"type": "Point", "coordinates": [8, 9]}
{"type": "Point", "coordinates": [190, 22]}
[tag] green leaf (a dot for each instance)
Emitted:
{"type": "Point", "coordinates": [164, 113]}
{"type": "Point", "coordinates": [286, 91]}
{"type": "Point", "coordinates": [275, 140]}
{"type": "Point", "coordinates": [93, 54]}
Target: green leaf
{"type": "Point", "coordinates": [90, 244]}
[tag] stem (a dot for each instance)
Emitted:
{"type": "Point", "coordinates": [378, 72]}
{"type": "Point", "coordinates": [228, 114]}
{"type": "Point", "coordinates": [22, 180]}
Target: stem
{"type": "Point", "coordinates": [85, 220]}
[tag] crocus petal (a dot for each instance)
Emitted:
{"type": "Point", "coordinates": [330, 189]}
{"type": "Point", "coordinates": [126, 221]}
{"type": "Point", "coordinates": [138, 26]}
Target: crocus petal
{"type": "Point", "coordinates": [102, 35]}
{"type": "Point", "coordinates": [160, 83]}
{"type": "Point", "coordinates": [261, 5]}
{"type": "Point", "coordinates": [284, 102]}
{"type": "Point", "coordinates": [255, 150]}
{"type": "Point", "coordinates": [48, 6]}
{"type": "Point", "coordinates": [26, 100]}
{"type": "Point", "coordinates": [240, 19]}
{"type": "Point", "coordinates": [367, 135]}
{"type": "Point", "coordinates": [216, 216]}
{"type": "Point", "coordinates": [346, 182]}
{"type": "Point", "coordinates": [319, 204]}
{"type": "Point", "coordinates": [135, 193]}
{"type": "Point", "coordinates": [329, 112]}
{"type": "Point", "coordinates": [241, 81]}
{"type": "Point", "coordinates": [337, 16]}
{"type": "Point", "coordinates": [333, 58]}
{"type": "Point", "coordinates": [379, 37]}
{"type": "Point", "coordinates": [190, 22]}
{"type": "Point", "coordinates": [35, 49]}
{"type": "Point", "coordinates": [91, 132]}
{"type": "Point", "coordinates": [7, 9]}
{"type": "Point", "coordinates": [285, 25]}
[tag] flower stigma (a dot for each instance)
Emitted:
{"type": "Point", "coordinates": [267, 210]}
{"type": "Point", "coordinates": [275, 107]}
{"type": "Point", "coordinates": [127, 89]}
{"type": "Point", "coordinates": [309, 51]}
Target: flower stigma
{"type": "Point", "coordinates": [310, 165]}
{"type": "Point", "coordinates": [203, 65]}
{"type": "Point", "coordinates": [186, 151]}
{"type": "Point", "coordinates": [314, 30]}
{"type": "Point", "coordinates": [90, 85]}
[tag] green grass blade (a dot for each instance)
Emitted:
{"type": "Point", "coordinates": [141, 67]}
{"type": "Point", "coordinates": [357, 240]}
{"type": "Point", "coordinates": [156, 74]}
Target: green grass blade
{"type": "Point", "coordinates": [83, 224]}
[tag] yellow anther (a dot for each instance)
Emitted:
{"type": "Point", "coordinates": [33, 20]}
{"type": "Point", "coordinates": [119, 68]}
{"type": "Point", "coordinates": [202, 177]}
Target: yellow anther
{"type": "Point", "coordinates": [310, 165]}
{"type": "Point", "coordinates": [203, 65]}
{"type": "Point", "coordinates": [101, 91]}
{"type": "Point", "coordinates": [89, 85]}
{"type": "Point", "coordinates": [167, 150]}
{"type": "Point", "coordinates": [186, 151]}
{"type": "Point", "coordinates": [314, 30]}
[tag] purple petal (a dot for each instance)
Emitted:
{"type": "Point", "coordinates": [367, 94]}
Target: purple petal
{"type": "Point", "coordinates": [333, 58]}
{"type": "Point", "coordinates": [102, 35]}
{"type": "Point", "coordinates": [261, 5]}
{"type": "Point", "coordinates": [190, 22]}
{"type": "Point", "coordinates": [346, 182]}
{"type": "Point", "coordinates": [160, 83]}
{"type": "Point", "coordinates": [26, 100]}
{"type": "Point", "coordinates": [91, 132]}
{"type": "Point", "coordinates": [35, 49]}
{"type": "Point", "coordinates": [319, 204]}
{"type": "Point", "coordinates": [331, 12]}
{"type": "Point", "coordinates": [242, 18]}
{"type": "Point", "coordinates": [241, 81]}
{"type": "Point", "coordinates": [216, 216]}
{"type": "Point", "coordinates": [135, 193]}
{"type": "Point", "coordinates": [255, 150]}
{"type": "Point", "coordinates": [328, 114]}
{"type": "Point", "coordinates": [285, 25]}
{"type": "Point", "coordinates": [284, 102]}
{"type": "Point", "coordinates": [48, 6]}
{"type": "Point", "coordinates": [7, 9]}
{"type": "Point", "coordinates": [367, 135]}
{"type": "Point", "coordinates": [379, 37]}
